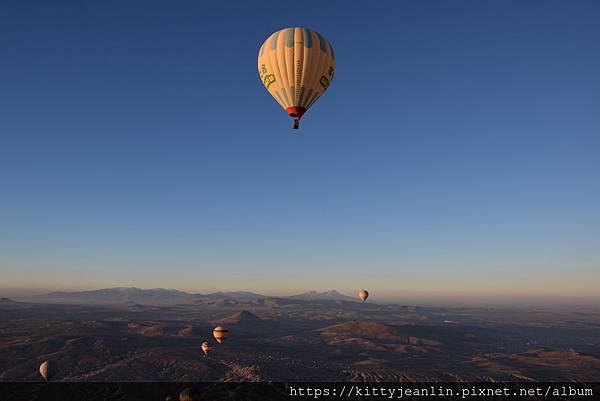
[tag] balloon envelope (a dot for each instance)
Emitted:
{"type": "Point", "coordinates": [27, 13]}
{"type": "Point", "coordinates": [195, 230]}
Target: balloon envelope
{"type": "Point", "coordinates": [220, 333]}
{"type": "Point", "coordinates": [188, 394]}
{"type": "Point", "coordinates": [296, 65]}
{"type": "Point", "coordinates": [363, 295]}
{"type": "Point", "coordinates": [206, 347]}
{"type": "Point", "coordinates": [47, 370]}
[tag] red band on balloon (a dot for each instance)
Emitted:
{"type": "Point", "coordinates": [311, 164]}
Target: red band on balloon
{"type": "Point", "coordinates": [295, 111]}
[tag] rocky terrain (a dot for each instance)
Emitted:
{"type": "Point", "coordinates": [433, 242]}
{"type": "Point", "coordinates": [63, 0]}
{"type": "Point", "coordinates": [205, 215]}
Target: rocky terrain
{"type": "Point", "coordinates": [304, 338]}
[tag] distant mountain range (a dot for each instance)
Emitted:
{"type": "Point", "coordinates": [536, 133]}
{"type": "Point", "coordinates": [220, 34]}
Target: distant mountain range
{"type": "Point", "coordinates": [117, 295]}
{"type": "Point", "coordinates": [133, 295]}
{"type": "Point", "coordinates": [331, 295]}
{"type": "Point", "coordinates": [7, 301]}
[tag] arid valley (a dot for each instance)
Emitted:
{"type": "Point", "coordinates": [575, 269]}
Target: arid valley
{"type": "Point", "coordinates": [128, 334]}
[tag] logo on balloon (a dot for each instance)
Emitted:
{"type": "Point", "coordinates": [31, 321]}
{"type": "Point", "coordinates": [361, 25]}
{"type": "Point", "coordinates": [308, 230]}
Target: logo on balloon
{"type": "Point", "coordinates": [324, 82]}
{"type": "Point", "coordinates": [267, 79]}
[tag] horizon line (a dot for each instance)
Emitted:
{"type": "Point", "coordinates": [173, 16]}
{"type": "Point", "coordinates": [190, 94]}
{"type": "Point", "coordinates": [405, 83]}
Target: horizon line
{"type": "Point", "coordinates": [413, 297]}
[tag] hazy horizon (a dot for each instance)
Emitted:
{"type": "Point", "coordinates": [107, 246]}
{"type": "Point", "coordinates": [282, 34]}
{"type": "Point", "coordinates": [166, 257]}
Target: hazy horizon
{"type": "Point", "coordinates": [409, 297]}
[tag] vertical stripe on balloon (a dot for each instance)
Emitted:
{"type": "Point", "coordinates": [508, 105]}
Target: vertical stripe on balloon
{"type": "Point", "coordinates": [308, 97]}
{"type": "Point", "coordinates": [289, 38]}
{"type": "Point", "coordinates": [279, 99]}
{"type": "Point", "coordinates": [299, 60]}
{"type": "Point", "coordinates": [322, 44]}
{"type": "Point", "coordinates": [284, 68]}
{"type": "Point", "coordinates": [274, 40]}
{"type": "Point", "coordinates": [307, 38]}
{"type": "Point", "coordinates": [285, 96]}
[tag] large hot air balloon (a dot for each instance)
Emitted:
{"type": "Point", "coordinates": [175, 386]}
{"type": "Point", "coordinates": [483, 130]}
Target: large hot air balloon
{"type": "Point", "coordinates": [206, 347]}
{"type": "Point", "coordinates": [47, 370]}
{"type": "Point", "coordinates": [363, 295]}
{"type": "Point", "coordinates": [296, 65]}
{"type": "Point", "coordinates": [220, 333]}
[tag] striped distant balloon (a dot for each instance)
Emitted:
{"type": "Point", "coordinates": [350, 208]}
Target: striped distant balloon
{"type": "Point", "coordinates": [206, 347]}
{"type": "Point", "coordinates": [296, 65]}
{"type": "Point", "coordinates": [220, 333]}
{"type": "Point", "coordinates": [363, 295]}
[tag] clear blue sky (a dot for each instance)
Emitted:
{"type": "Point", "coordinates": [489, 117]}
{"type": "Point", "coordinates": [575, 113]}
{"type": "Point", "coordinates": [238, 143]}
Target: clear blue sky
{"type": "Point", "coordinates": [457, 149]}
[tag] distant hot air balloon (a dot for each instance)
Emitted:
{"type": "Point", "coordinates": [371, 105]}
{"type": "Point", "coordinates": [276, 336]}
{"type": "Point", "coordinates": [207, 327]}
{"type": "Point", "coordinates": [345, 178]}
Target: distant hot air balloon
{"type": "Point", "coordinates": [47, 370]}
{"type": "Point", "coordinates": [363, 295]}
{"type": "Point", "coordinates": [188, 394]}
{"type": "Point", "coordinates": [296, 65]}
{"type": "Point", "coordinates": [220, 333]}
{"type": "Point", "coordinates": [206, 347]}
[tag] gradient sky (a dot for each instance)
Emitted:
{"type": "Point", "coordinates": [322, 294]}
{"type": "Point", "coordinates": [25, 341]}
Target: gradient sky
{"type": "Point", "coordinates": [456, 152]}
